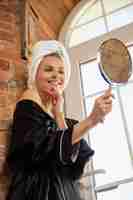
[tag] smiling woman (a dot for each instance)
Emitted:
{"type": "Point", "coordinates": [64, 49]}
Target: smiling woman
{"type": "Point", "coordinates": [47, 153]}
{"type": "Point", "coordinates": [51, 74]}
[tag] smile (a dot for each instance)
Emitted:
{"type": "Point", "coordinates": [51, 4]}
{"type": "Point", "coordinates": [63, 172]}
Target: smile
{"type": "Point", "coordinates": [56, 83]}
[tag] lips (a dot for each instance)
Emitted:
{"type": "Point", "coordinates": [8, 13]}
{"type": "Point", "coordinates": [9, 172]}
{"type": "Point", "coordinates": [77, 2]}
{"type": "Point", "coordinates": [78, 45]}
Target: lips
{"type": "Point", "coordinates": [55, 83]}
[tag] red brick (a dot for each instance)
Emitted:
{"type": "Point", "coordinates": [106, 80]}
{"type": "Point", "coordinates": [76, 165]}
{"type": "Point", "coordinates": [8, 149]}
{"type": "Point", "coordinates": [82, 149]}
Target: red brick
{"type": "Point", "coordinates": [8, 36]}
{"type": "Point", "coordinates": [8, 9]}
{"type": "Point", "coordinates": [4, 65]}
{"type": "Point", "coordinates": [9, 27]}
{"type": "Point", "coordinates": [5, 16]}
{"type": "Point", "coordinates": [11, 55]}
{"type": "Point", "coordinates": [4, 76]}
{"type": "Point", "coordinates": [4, 2]}
{"type": "Point", "coordinates": [6, 45]}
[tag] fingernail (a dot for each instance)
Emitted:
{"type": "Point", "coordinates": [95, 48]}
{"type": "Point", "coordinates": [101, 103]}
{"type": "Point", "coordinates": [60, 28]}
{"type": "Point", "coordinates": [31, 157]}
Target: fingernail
{"type": "Point", "coordinates": [54, 102]}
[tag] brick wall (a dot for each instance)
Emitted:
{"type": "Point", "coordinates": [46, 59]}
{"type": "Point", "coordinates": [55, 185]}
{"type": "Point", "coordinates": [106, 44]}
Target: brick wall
{"type": "Point", "coordinates": [12, 76]}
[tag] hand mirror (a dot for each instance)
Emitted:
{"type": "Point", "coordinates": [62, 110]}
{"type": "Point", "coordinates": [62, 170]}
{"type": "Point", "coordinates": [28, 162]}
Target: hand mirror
{"type": "Point", "coordinates": [114, 62]}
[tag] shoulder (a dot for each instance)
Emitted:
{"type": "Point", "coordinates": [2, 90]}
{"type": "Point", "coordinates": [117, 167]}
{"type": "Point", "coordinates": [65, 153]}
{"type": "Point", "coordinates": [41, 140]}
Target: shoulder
{"type": "Point", "coordinates": [28, 109]}
{"type": "Point", "coordinates": [28, 104]}
{"type": "Point", "coordinates": [28, 100]}
{"type": "Point", "coordinates": [29, 113]}
{"type": "Point", "coordinates": [29, 94]}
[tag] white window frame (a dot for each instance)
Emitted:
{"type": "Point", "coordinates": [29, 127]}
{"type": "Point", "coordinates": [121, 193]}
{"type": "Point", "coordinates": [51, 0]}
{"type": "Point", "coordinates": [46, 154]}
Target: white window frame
{"type": "Point", "coordinates": [74, 104]}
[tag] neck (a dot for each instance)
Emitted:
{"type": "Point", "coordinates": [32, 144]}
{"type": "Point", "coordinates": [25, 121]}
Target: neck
{"type": "Point", "coordinates": [43, 101]}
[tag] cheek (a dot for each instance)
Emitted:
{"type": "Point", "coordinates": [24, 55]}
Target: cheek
{"type": "Point", "coordinates": [61, 88]}
{"type": "Point", "coordinates": [41, 79]}
{"type": "Point", "coordinates": [41, 76]}
{"type": "Point", "coordinates": [62, 84]}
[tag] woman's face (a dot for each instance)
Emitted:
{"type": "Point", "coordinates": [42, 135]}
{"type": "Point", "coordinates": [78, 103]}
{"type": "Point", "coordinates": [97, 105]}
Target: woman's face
{"type": "Point", "coordinates": [50, 74]}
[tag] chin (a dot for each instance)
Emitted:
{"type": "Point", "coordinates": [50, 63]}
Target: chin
{"type": "Point", "coordinates": [60, 91]}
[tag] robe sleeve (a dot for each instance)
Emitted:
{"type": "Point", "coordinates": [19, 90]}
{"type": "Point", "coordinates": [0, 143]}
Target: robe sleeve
{"type": "Point", "coordinates": [76, 170]}
{"type": "Point", "coordinates": [82, 153]}
{"type": "Point", "coordinates": [35, 137]}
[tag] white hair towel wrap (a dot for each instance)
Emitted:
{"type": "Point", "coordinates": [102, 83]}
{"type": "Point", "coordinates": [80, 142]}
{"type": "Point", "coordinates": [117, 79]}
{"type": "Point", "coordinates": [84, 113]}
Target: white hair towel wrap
{"type": "Point", "coordinates": [44, 48]}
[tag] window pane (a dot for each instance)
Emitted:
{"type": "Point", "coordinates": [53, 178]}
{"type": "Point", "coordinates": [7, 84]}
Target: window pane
{"type": "Point", "coordinates": [110, 195]}
{"type": "Point", "coordinates": [92, 79]}
{"type": "Point", "coordinates": [126, 191]}
{"type": "Point", "coordinates": [90, 13]}
{"type": "Point", "coordinates": [112, 5]}
{"type": "Point", "coordinates": [120, 18]}
{"type": "Point", "coordinates": [123, 192]}
{"type": "Point", "coordinates": [87, 32]}
{"type": "Point", "coordinates": [127, 99]}
{"type": "Point", "coordinates": [110, 144]}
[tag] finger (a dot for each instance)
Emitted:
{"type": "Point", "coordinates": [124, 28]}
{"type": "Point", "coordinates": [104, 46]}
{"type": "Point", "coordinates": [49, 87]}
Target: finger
{"type": "Point", "coordinates": [107, 109]}
{"type": "Point", "coordinates": [107, 101]}
{"type": "Point", "coordinates": [50, 91]}
{"type": "Point", "coordinates": [107, 96]}
{"type": "Point", "coordinates": [54, 100]}
{"type": "Point", "coordinates": [109, 90]}
{"type": "Point", "coordinates": [103, 102]}
{"type": "Point", "coordinates": [104, 97]}
{"type": "Point", "coordinates": [107, 93]}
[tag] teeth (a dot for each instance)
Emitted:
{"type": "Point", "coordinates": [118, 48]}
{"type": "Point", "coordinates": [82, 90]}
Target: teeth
{"type": "Point", "coordinates": [54, 82]}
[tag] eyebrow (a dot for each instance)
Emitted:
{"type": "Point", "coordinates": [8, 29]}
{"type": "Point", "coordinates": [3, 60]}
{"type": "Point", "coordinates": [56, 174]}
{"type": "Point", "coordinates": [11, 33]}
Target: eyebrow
{"type": "Point", "coordinates": [47, 65]}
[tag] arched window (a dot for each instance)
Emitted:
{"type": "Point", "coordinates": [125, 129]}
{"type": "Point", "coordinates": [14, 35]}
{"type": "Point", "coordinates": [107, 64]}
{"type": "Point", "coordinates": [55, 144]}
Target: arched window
{"type": "Point", "coordinates": [86, 28]}
{"type": "Point", "coordinates": [98, 17]}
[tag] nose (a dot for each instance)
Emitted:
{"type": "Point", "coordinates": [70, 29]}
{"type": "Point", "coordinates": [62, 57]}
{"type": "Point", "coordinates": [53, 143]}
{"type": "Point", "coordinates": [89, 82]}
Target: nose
{"type": "Point", "coordinates": [55, 75]}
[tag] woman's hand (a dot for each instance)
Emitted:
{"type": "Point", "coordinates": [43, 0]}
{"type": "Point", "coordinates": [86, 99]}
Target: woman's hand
{"type": "Point", "coordinates": [102, 106]}
{"type": "Point", "coordinates": [57, 108]}
{"type": "Point", "coordinates": [51, 94]}
{"type": "Point", "coordinates": [57, 103]}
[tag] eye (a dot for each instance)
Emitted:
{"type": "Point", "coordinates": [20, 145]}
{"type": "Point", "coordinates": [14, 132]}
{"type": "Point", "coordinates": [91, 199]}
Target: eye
{"type": "Point", "coordinates": [61, 71]}
{"type": "Point", "coordinates": [48, 68]}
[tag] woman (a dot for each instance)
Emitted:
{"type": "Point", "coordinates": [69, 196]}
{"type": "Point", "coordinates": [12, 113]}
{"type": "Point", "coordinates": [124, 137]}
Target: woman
{"type": "Point", "coordinates": [47, 152]}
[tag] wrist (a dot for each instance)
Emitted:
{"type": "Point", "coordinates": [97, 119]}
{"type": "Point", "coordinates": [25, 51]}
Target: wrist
{"type": "Point", "coordinates": [92, 121]}
{"type": "Point", "coordinates": [59, 114]}
{"type": "Point", "coordinates": [58, 111]}
{"type": "Point", "coordinates": [60, 119]}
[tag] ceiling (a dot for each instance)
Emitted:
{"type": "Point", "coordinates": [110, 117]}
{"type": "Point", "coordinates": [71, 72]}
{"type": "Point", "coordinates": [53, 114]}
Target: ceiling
{"type": "Point", "coordinates": [49, 15]}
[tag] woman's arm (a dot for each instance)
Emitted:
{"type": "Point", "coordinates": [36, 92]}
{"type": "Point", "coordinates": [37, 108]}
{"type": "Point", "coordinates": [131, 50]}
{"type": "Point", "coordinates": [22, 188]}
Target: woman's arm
{"type": "Point", "coordinates": [102, 106]}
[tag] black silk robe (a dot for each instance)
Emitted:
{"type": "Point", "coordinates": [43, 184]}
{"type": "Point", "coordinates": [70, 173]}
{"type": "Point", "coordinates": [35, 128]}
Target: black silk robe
{"type": "Point", "coordinates": [43, 163]}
